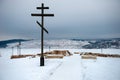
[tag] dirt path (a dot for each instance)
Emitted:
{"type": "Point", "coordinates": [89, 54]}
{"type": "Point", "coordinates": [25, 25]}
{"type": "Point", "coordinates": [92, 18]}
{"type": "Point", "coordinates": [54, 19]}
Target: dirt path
{"type": "Point", "coordinates": [69, 70]}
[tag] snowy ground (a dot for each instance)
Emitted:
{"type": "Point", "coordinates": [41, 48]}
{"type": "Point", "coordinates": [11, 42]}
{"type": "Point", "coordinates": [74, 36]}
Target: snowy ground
{"type": "Point", "coordinates": [68, 68]}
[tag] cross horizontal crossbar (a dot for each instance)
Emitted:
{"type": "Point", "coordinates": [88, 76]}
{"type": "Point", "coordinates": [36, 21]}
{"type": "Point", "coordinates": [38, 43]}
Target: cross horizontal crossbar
{"type": "Point", "coordinates": [42, 27]}
{"type": "Point", "coordinates": [47, 15]}
{"type": "Point", "coordinates": [42, 7]}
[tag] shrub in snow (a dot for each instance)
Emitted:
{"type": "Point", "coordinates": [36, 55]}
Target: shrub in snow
{"type": "Point", "coordinates": [54, 56]}
{"type": "Point", "coordinates": [100, 54]}
{"type": "Point", "coordinates": [23, 56]}
{"type": "Point", "coordinates": [88, 57]}
{"type": "Point", "coordinates": [59, 52]}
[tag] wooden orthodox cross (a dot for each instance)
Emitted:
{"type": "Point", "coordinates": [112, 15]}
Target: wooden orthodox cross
{"type": "Point", "coordinates": [42, 29]}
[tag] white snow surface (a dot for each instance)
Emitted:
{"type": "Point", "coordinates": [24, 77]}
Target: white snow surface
{"type": "Point", "coordinates": [68, 68]}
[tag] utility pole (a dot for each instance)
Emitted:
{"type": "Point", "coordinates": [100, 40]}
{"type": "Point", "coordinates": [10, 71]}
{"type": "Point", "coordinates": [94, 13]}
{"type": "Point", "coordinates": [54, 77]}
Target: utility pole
{"type": "Point", "coordinates": [19, 48]}
{"type": "Point", "coordinates": [12, 50]}
{"type": "Point", "coordinates": [42, 15]}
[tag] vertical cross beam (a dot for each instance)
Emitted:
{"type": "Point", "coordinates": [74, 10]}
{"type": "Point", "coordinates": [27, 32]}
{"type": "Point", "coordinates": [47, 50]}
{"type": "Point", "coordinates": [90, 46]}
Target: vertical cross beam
{"type": "Point", "coordinates": [42, 33]}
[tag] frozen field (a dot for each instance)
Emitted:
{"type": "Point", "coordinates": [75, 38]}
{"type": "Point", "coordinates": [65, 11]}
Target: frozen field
{"type": "Point", "coordinates": [68, 68]}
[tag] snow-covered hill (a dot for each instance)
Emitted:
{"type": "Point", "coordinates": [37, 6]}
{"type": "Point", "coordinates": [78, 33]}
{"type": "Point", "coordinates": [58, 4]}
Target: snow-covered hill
{"type": "Point", "coordinates": [54, 44]}
{"type": "Point", "coordinates": [69, 43]}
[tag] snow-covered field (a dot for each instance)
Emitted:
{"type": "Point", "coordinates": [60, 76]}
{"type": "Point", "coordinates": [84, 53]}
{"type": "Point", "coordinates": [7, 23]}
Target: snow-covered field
{"type": "Point", "coordinates": [68, 68]}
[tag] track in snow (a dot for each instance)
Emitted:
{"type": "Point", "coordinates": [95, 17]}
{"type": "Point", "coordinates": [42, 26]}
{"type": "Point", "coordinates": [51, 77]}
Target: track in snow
{"type": "Point", "coordinates": [71, 69]}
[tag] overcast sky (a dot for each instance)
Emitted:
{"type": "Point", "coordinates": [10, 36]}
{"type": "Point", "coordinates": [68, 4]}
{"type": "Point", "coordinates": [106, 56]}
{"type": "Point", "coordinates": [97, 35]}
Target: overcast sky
{"type": "Point", "coordinates": [81, 19]}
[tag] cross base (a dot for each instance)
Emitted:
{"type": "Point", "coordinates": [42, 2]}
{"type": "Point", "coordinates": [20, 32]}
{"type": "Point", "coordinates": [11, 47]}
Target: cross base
{"type": "Point", "coordinates": [42, 61]}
